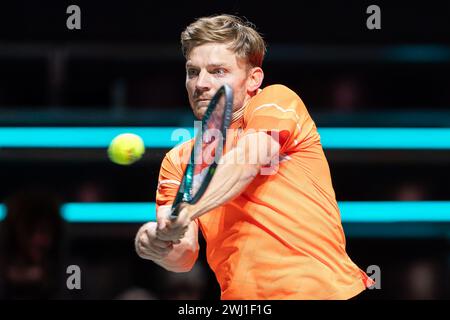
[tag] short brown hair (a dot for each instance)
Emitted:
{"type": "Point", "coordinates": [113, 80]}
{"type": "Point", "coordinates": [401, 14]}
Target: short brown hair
{"type": "Point", "coordinates": [245, 41]}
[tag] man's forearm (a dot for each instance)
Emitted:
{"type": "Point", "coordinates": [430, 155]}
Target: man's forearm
{"type": "Point", "coordinates": [181, 259]}
{"type": "Point", "coordinates": [228, 182]}
{"type": "Point", "coordinates": [235, 172]}
{"type": "Point", "coordinates": [183, 255]}
{"type": "Point", "coordinates": [238, 168]}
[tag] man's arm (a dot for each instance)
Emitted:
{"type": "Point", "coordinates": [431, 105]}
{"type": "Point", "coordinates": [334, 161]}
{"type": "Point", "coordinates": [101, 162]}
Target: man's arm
{"type": "Point", "coordinates": [240, 166]}
{"type": "Point", "coordinates": [179, 256]}
{"type": "Point", "coordinates": [237, 169]}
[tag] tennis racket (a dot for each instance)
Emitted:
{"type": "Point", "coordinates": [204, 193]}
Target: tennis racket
{"type": "Point", "coordinates": [207, 149]}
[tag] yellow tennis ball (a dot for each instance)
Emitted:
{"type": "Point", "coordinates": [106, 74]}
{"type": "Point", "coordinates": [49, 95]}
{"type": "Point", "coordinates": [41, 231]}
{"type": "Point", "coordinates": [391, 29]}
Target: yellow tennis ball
{"type": "Point", "coordinates": [126, 148]}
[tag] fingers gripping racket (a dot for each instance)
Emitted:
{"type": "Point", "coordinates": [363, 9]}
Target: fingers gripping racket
{"type": "Point", "coordinates": [207, 149]}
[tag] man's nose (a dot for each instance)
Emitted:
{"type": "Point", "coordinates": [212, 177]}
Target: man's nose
{"type": "Point", "coordinates": [203, 81]}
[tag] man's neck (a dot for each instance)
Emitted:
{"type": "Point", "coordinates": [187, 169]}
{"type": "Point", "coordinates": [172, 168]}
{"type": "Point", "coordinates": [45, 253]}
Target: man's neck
{"type": "Point", "coordinates": [238, 114]}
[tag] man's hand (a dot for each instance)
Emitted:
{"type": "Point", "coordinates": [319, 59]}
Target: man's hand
{"type": "Point", "coordinates": [148, 246]}
{"type": "Point", "coordinates": [174, 230]}
{"type": "Point", "coordinates": [178, 255]}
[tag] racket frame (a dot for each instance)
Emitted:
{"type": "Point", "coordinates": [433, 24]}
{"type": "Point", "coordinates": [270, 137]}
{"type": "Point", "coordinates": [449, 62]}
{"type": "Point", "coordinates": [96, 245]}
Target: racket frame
{"type": "Point", "coordinates": [185, 190]}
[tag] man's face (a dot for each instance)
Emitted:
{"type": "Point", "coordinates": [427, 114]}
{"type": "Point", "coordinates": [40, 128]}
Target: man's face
{"type": "Point", "coordinates": [208, 67]}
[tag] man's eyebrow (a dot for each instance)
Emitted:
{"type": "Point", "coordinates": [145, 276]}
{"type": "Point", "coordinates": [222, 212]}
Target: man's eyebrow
{"type": "Point", "coordinates": [213, 65]}
{"type": "Point", "coordinates": [218, 64]}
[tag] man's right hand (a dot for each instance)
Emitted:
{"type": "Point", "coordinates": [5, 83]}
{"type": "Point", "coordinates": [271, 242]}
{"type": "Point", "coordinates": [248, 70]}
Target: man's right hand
{"type": "Point", "coordinates": [148, 246]}
{"type": "Point", "coordinates": [172, 254]}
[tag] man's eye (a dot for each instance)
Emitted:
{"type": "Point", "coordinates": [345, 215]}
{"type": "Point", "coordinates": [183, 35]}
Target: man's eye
{"type": "Point", "coordinates": [192, 72]}
{"type": "Point", "coordinates": [219, 72]}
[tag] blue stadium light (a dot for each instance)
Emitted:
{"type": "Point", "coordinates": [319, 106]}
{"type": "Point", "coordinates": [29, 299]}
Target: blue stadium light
{"type": "Point", "coordinates": [84, 137]}
{"type": "Point", "coordinates": [109, 212]}
{"type": "Point", "coordinates": [351, 212]}
{"type": "Point", "coordinates": [2, 212]}
{"type": "Point", "coordinates": [167, 137]}
{"type": "Point", "coordinates": [385, 138]}
{"type": "Point", "coordinates": [418, 53]}
{"type": "Point", "coordinates": [394, 211]}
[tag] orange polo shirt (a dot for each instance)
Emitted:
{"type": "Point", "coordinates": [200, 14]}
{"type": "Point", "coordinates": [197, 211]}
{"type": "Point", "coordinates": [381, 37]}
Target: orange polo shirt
{"type": "Point", "coordinates": [282, 237]}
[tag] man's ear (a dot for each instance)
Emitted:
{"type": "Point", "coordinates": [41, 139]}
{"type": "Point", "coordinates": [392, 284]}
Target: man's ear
{"type": "Point", "coordinates": [255, 79]}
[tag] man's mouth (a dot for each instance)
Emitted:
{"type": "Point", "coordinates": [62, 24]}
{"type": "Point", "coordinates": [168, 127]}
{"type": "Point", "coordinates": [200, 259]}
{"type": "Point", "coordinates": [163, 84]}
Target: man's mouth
{"type": "Point", "coordinates": [202, 103]}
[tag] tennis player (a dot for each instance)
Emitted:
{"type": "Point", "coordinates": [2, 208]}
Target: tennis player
{"type": "Point", "coordinates": [270, 234]}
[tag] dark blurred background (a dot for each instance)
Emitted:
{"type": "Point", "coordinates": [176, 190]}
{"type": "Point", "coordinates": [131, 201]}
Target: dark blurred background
{"type": "Point", "coordinates": [125, 68]}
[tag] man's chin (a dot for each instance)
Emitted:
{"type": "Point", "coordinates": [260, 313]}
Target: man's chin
{"type": "Point", "coordinates": [200, 112]}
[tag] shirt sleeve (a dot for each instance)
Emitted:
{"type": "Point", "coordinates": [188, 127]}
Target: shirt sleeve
{"type": "Point", "coordinates": [278, 111]}
{"type": "Point", "coordinates": [169, 180]}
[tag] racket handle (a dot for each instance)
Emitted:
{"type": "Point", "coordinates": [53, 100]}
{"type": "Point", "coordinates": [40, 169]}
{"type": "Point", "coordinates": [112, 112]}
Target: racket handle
{"type": "Point", "coordinates": [174, 212]}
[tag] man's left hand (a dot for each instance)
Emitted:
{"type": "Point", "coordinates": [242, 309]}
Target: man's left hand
{"type": "Point", "coordinates": [174, 230]}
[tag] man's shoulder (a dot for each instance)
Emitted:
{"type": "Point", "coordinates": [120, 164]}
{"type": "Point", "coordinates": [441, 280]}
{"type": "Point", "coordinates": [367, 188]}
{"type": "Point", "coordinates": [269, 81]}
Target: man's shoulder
{"type": "Point", "coordinates": [277, 95]}
{"type": "Point", "coordinates": [277, 91]}
{"type": "Point", "coordinates": [176, 153]}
